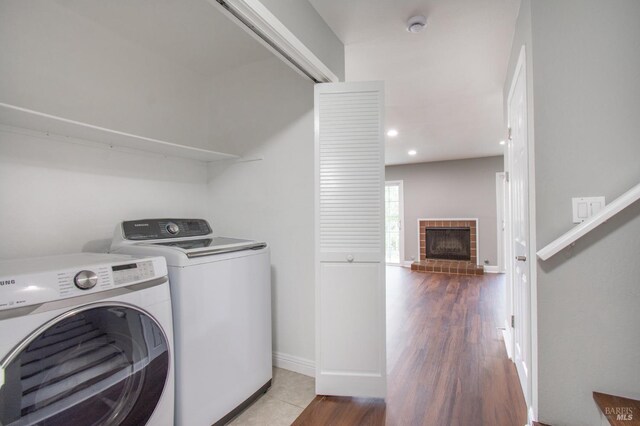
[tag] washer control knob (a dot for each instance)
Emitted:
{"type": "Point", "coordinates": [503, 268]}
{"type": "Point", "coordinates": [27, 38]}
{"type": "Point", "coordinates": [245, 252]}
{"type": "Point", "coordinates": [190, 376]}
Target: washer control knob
{"type": "Point", "coordinates": [172, 228]}
{"type": "Point", "coordinates": [85, 280]}
{"type": "Point", "coordinates": [349, 258]}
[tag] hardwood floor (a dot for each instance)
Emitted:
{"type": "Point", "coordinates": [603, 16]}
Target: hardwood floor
{"type": "Point", "coordinates": [618, 410]}
{"type": "Point", "coordinates": [446, 359]}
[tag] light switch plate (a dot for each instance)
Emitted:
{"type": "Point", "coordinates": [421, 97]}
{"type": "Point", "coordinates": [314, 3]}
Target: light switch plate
{"type": "Point", "coordinates": [585, 207]}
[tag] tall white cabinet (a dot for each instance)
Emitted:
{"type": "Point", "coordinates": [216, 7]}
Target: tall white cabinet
{"type": "Point", "coordinates": [349, 255]}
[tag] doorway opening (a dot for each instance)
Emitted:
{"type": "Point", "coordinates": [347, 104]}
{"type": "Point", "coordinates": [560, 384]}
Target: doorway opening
{"type": "Point", "coordinates": [394, 218]}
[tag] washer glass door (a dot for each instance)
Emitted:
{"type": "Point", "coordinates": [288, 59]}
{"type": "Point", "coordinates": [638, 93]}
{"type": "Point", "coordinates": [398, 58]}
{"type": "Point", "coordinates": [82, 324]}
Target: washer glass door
{"type": "Point", "coordinates": [105, 364]}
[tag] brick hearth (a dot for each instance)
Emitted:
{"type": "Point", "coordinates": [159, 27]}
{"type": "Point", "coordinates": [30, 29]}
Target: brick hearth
{"type": "Point", "coordinates": [461, 267]}
{"type": "Point", "coordinates": [447, 267]}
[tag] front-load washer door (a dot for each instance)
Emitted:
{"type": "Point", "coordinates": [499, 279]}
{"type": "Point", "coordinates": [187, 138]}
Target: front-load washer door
{"type": "Point", "coordinates": [104, 364]}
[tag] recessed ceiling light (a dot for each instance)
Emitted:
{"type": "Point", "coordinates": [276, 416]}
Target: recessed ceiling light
{"type": "Point", "coordinates": [392, 133]}
{"type": "Point", "coordinates": [501, 142]}
{"type": "Point", "coordinates": [412, 152]}
{"type": "Point", "coordinates": [415, 24]}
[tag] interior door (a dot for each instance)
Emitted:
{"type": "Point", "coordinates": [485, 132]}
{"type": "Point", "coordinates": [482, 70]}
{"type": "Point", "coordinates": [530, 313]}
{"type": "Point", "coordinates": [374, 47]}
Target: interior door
{"type": "Point", "coordinates": [350, 275]}
{"type": "Point", "coordinates": [520, 262]}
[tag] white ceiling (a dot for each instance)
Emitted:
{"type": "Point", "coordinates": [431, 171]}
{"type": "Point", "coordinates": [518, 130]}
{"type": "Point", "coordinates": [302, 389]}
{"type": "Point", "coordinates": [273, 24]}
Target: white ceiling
{"type": "Point", "coordinates": [194, 33]}
{"type": "Point", "coordinates": [443, 85]}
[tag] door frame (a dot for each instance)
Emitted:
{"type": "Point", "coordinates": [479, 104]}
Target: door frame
{"type": "Point", "coordinates": [501, 221]}
{"type": "Point", "coordinates": [508, 331]}
{"type": "Point", "coordinates": [400, 184]}
{"type": "Point", "coordinates": [524, 65]}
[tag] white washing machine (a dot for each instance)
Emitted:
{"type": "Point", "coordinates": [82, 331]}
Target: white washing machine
{"type": "Point", "coordinates": [221, 294]}
{"type": "Point", "coordinates": [86, 339]}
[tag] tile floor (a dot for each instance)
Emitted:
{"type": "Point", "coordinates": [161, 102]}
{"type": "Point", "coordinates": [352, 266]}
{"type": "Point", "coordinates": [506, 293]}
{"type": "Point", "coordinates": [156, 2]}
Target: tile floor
{"type": "Point", "coordinates": [290, 393]}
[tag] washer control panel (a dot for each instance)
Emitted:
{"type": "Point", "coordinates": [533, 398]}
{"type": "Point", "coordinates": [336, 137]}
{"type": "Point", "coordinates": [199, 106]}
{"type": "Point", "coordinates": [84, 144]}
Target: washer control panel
{"type": "Point", "coordinates": [133, 272]}
{"type": "Point", "coordinates": [156, 229]}
{"type": "Point", "coordinates": [85, 280]}
{"type": "Point", "coordinates": [40, 287]}
{"type": "Point", "coordinates": [172, 228]}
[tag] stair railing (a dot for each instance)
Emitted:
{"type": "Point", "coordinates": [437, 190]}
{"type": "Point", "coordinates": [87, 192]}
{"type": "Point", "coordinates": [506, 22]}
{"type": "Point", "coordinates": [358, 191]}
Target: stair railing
{"type": "Point", "coordinates": [571, 236]}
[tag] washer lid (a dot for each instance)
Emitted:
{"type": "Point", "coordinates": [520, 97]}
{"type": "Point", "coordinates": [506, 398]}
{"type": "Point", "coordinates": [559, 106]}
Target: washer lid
{"type": "Point", "coordinates": [210, 246]}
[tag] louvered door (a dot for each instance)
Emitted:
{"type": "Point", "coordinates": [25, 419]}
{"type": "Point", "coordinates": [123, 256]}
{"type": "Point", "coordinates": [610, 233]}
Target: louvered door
{"type": "Point", "coordinates": [350, 276]}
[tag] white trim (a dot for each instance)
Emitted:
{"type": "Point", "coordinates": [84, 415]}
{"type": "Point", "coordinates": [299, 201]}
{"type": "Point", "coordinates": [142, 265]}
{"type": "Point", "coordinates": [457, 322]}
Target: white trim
{"type": "Point", "coordinates": [492, 269]}
{"type": "Point", "coordinates": [448, 218]}
{"type": "Point", "coordinates": [294, 363]}
{"type": "Point", "coordinates": [508, 331]}
{"type": "Point", "coordinates": [532, 408]}
{"type": "Point", "coordinates": [501, 186]}
{"type": "Point", "coordinates": [478, 261]}
{"type": "Point", "coordinates": [475, 219]}
{"type": "Point", "coordinates": [506, 336]}
{"type": "Point", "coordinates": [519, 67]}
{"type": "Point", "coordinates": [400, 184]}
{"type": "Point", "coordinates": [407, 263]}
{"type": "Point", "coordinates": [261, 24]}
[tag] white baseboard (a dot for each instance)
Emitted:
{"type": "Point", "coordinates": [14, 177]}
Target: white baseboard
{"type": "Point", "coordinates": [530, 415]}
{"type": "Point", "coordinates": [294, 363]}
{"type": "Point", "coordinates": [506, 337]}
{"type": "Point", "coordinates": [403, 264]}
{"type": "Point", "coordinates": [492, 269]}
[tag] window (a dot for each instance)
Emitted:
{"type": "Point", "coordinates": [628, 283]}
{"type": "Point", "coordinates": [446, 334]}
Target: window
{"type": "Point", "coordinates": [393, 222]}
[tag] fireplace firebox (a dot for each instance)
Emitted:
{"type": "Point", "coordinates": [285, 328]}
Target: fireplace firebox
{"type": "Point", "coordinates": [448, 243]}
{"type": "Point", "coordinates": [448, 246]}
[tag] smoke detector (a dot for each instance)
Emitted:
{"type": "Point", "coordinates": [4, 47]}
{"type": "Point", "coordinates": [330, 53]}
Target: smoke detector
{"type": "Point", "coordinates": [416, 24]}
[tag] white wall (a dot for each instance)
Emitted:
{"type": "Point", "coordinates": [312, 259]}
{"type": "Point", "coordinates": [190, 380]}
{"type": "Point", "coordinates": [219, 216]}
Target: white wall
{"type": "Point", "coordinates": [59, 62]}
{"type": "Point", "coordinates": [59, 197]}
{"type": "Point", "coordinates": [269, 113]}
{"type": "Point", "coordinates": [442, 189]}
{"type": "Point", "coordinates": [586, 94]}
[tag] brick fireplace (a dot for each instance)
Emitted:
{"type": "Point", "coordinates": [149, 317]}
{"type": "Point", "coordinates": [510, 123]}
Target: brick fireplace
{"type": "Point", "coordinates": [448, 246]}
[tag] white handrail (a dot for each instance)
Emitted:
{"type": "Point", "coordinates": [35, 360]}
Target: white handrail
{"type": "Point", "coordinates": [610, 210]}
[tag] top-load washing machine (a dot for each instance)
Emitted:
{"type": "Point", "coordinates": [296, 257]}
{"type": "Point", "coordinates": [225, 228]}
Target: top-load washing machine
{"type": "Point", "coordinates": [86, 339]}
{"type": "Point", "coordinates": [221, 294]}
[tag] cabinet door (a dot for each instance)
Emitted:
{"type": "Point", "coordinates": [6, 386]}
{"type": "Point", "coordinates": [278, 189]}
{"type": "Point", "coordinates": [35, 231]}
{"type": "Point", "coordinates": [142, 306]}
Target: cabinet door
{"type": "Point", "coordinates": [350, 276]}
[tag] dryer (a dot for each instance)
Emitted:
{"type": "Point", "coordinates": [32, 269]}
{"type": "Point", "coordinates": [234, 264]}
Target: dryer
{"type": "Point", "coordinates": [221, 295]}
{"type": "Point", "coordinates": [86, 339]}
